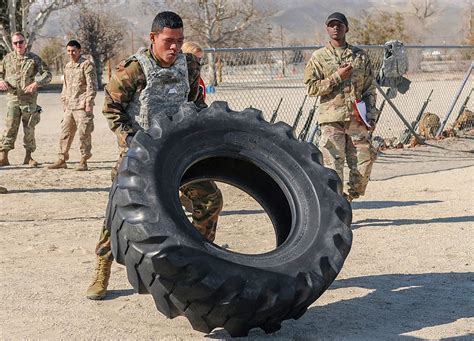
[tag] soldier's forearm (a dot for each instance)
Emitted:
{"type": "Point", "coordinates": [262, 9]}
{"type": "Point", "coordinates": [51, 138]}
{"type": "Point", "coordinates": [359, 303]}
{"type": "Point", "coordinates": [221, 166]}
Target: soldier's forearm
{"type": "Point", "coordinates": [322, 87]}
{"type": "Point", "coordinates": [44, 79]}
{"type": "Point", "coordinates": [117, 119]}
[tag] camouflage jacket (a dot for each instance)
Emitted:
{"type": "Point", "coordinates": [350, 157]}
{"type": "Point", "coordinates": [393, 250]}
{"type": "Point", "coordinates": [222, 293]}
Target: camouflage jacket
{"type": "Point", "coordinates": [129, 80]}
{"type": "Point", "coordinates": [338, 96]}
{"type": "Point", "coordinates": [20, 71]}
{"type": "Point", "coordinates": [79, 85]}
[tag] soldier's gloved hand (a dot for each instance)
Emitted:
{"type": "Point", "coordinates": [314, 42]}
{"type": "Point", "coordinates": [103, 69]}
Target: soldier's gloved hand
{"type": "Point", "coordinates": [372, 124]}
{"type": "Point", "coordinates": [129, 139]}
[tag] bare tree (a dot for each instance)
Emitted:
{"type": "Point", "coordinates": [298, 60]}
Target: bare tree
{"type": "Point", "coordinates": [27, 16]}
{"type": "Point", "coordinates": [222, 23]}
{"type": "Point", "coordinates": [424, 9]}
{"type": "Point", "coordinates": [100, 36]}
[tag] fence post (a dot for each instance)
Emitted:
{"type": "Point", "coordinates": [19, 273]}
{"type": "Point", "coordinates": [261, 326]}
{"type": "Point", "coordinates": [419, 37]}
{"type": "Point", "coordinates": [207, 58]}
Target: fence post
{"type": "Point", "coordinates": [418, 138]}
{"type": "Point", "coordinates": [455, 100]}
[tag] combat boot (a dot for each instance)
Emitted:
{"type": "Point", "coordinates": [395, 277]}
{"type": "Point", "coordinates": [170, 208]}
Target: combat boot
{"type": "Point", "coordinates": [98, 288]}
{"type": "Point", "coordinates": [82, 166]}
{"type": "Point", "coordinates": [4, 158]}
{"type": "Point", "coordinates": [29, 160]}
{"type": "Point", "coordinates": [58, 164]}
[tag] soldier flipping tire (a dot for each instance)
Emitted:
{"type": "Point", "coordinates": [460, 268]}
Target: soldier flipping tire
{"type": "Point", "coordinates": [188, 275]}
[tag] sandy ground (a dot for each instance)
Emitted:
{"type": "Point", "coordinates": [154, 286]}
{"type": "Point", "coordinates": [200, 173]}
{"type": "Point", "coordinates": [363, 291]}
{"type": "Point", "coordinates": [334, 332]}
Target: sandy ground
{"type": "Point", "coordinates": [409, 273]}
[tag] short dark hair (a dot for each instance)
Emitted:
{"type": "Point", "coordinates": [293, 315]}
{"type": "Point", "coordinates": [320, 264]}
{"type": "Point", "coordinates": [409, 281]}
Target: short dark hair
{"type": "Point", "coordinates": [18, 33]}
{"type": "Point", "coordinates": [166, 19]}
{"type": "Point", "coordinates": [74, 43]}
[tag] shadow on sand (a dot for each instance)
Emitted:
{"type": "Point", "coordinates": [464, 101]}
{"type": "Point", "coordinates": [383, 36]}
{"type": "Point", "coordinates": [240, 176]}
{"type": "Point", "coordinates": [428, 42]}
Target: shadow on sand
{"type": "Point", "coordinates": [395, 304]}
{"type": "Point", "coordinates": [404, 222]}
{"type": "Point", "coordinates": [373, 205]}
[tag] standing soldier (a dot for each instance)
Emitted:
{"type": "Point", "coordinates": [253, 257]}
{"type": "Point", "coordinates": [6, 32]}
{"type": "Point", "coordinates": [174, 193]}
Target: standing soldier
{"type": "Point", "coordinates": [21, 74]}
{"type": "Point", "coordinates": [77, 96]}
{"type": "Point", "coordinates": [156, 80]}
{"type": "Point", "coordinates": [341, 74]}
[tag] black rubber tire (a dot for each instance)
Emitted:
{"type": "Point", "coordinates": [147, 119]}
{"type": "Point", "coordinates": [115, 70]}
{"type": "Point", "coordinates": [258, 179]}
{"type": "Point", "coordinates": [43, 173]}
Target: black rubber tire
{"type": "Point", "coordinates": [211, 286]}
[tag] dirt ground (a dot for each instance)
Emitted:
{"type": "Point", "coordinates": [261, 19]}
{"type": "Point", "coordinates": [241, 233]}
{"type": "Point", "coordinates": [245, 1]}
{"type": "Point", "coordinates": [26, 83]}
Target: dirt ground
{"type": "Point", "coordinates": [409, 273]}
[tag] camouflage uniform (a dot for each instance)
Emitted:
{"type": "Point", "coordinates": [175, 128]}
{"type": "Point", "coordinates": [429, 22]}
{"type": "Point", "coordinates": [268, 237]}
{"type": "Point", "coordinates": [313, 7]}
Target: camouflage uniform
{"type": "Point", "coordinates": [79, 91]}
{"type": "Point", "coordinates": [20, 71]}
{"type": "Point", "coordinates": [429, 125]}
{"type": "Point", "coordinates": [138, 88]}
{"type": "Point", "coordinates": [464, 121]}
{"type": "Point", "coordinates": [343, 135]}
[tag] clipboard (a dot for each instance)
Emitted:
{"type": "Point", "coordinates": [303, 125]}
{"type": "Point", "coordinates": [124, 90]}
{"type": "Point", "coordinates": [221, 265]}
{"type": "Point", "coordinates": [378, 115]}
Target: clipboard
{"type": "Point", "coordinates": [361, 112]}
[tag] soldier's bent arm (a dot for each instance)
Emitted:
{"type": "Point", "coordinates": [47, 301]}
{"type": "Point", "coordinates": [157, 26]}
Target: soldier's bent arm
{"type": "Point", "coordinates": [369, 94]}
{"type": "Point", "coordinates": [91, 83]}
{"type": "Point", "coordinates": [315, 81]}
{"type": "Point", "coordinates": [119, 92]}
{"type": "Point", "coordinates": [194, 72]}
{"type": "Point", "coordinates": [64, 90]}
{"type": "Point", "coordinates": [45, 75]}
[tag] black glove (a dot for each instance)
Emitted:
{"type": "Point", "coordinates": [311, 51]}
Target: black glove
{"type": "Point", "coordinates": [129, 139]}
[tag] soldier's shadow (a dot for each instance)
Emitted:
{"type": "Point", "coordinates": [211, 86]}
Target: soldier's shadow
{"type": "Point", "coordinates": [113, 294]}
{"type": "Point", "coordinates": [374, 204]}
{"type": "Point", "coordinates": [387, 307]}
{"type": "Point", "coordinates": [375, 223]}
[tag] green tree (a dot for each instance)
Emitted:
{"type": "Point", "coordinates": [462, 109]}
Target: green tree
{"type": "Point", "coordinates": [53, 55]}
{"type": "Point", "coordinates": [376, 28]}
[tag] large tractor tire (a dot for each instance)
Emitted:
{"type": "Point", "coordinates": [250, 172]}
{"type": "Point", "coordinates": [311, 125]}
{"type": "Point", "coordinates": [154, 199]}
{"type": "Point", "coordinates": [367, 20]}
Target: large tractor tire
{"type": "Point", "coordinates": [190, 276]}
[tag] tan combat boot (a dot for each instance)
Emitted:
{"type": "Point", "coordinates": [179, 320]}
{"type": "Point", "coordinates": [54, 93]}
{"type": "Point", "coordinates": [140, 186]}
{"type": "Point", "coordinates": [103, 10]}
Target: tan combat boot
{"type": "Point", "coordinates": [82, 166]}
{"type": "Point", "coordinates": [58, 164]}
{"type": "Point", "coordinates": [4, 158]}
{"type": "Point", "coordinates": [29, 160]}
{"type": "Point", "coordinates": [98, 288]}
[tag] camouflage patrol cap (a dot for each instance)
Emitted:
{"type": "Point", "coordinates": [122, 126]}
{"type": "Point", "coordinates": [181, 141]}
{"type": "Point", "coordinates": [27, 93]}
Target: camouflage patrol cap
{"type": "Point", "coordinates": [338, 17]}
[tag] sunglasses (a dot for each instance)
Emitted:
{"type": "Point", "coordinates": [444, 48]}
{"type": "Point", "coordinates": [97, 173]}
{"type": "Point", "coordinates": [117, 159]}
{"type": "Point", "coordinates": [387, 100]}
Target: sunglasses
{"type": "Point", "coordinates": [19, 42]}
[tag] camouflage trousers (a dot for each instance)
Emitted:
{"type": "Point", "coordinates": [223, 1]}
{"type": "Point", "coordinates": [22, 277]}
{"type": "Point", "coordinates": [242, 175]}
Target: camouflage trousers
{"type": "Point", "coordinates": [348, 141]}
{"type": "Point", "coordinates": [72, 122]}
{"type": "Point", "coordinates": [27, 115]}
{"type": "Point", "coordinates": [202, 199]}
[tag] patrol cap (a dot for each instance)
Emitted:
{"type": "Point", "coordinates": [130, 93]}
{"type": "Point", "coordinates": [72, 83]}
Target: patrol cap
{"type": "Point", "coordinates": [338, 17]}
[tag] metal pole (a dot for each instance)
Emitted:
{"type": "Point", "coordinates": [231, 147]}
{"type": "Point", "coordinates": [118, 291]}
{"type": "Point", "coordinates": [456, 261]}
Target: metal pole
{"type": "Point", "coordinates": [455, 100]}
{"type": "Point", "coordinates": [313, 135]}
{"type": "Point", "coordinates": [418, 138]}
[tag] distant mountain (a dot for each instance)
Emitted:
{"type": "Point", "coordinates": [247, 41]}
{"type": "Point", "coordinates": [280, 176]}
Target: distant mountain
{"type": "Point", "coordinates": [302, 21]}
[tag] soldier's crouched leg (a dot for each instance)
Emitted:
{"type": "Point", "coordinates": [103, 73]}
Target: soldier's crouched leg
{"type": "Point", "coordinates": [207, 202]}
{"type": "Point", "coordinates": [115, 168]}
{"type": "Point", "coordinates": [97, 290]}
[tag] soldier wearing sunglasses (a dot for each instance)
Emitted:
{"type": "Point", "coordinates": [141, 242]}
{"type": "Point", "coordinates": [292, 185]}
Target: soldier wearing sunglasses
{"type": "Point", "coordinates": [21, 74]}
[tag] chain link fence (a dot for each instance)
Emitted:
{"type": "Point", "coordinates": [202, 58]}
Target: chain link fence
{"type": "Point", "coordinates": [261, 77]}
